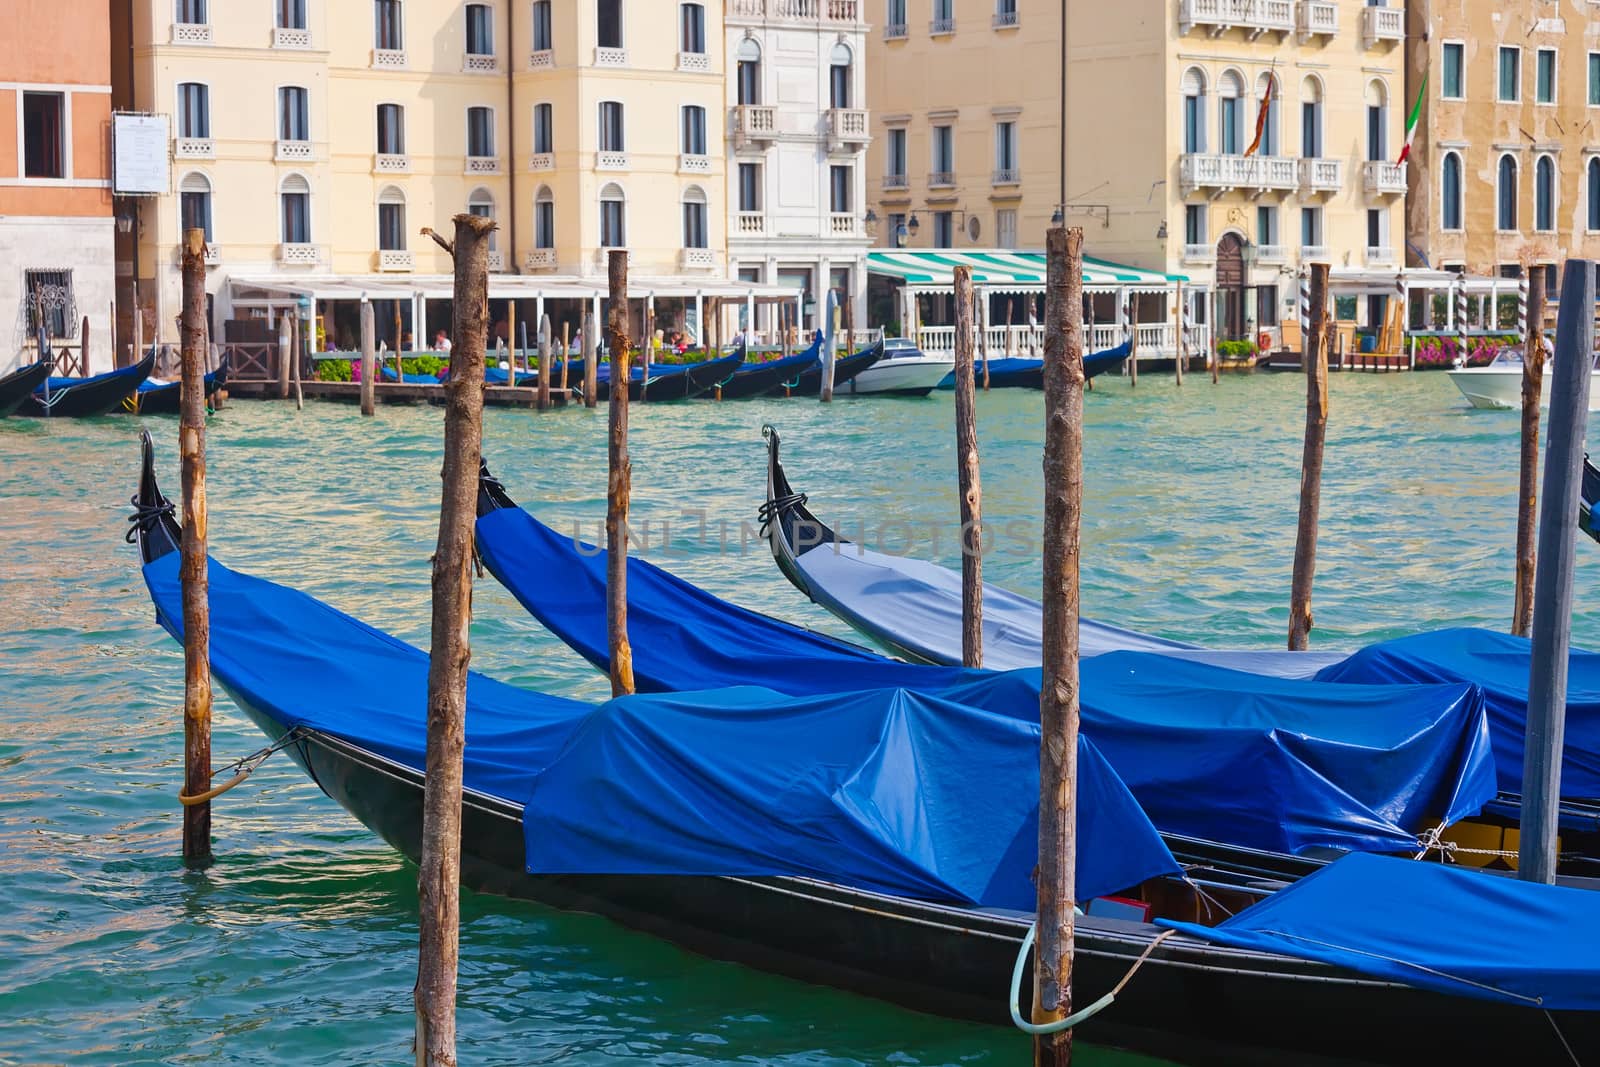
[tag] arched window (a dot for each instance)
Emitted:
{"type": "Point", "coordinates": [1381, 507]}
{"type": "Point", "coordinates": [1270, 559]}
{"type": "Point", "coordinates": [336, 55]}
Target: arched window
{"type": "Point", "coordinates": [544, 219]}
{"type": "Point", "coordinates": [608, 23]}
{"type": "Point", "coordinates": [692, 28]}
{"type": "Point", "coordinates": [613, 217]}
{"type": "Point", "coordinates": [480, 132]}
{"type": "Point", "coordinates": [194, 110]}
{"type": "Point", "coordinates": [1194, 113]}
{"type": "Point", "coordinates": [611, 127]}
{"type": "Point", "coordinates": [748, 58]}
{"type": "Point", "coordinates": [294, 114]}
{"type": "Point", "coordinates": [294, 199]}
{"type": "Point", "coordinates": [694, 218]}
{"type": "Point", "coordinates": [839, 76]}
{"type": "Point", "coordinates": [391, 220]}
{"type": "Point", "coordinates": [480, 30]}
{"type": "Point", "coordinates": [1506, 194]}
{"type": "Point", "coordinates": [1544, 195]}
{"type": "Point", "coordinates": [544, 133]}
{"type": "Point", "coordinates": [480, 202]}
{"type": "Point", "coordinates": [1377, 121]}
{"type": "Point", "coordinates": [391, 130]}
{"type": "Point", "coordinates": [194, 204]}
{"type": "Point", "coordinates": [1311, 118]}
{"type": "Point", "coordinates": [1594, 193]}
{"type": "Point", "coordinates": [1450, 192]}
{"type": "Point", "coordinates": [1267, 88]}
{"type": "Point", "coordinates": [1230, 90]}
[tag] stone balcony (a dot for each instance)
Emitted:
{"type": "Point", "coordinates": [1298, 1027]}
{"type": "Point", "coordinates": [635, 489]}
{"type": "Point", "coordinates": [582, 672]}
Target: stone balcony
{"type": "Point", "coordinates": [895, 31]}
{"type": "Point", "coordinates": [543, 59]}
{"type": "Point", "coordinates": [697, 259]}
{"type": "Point", "coordinates": [1381, 178]}
{"type": "Point", "coordinates": [751, 223]}
{"type": "Point", "coordinates": [941, 27]}
{"type": "Point", "coordinates": [896, 183]}
{"type": "Point", "coordinates": [754, 124]}
{"type": "Point", "coordinates": [693, 163]}
{"type": "Point", "coordinates": [497, 262]}
{"type": "Point", "coordinates": [843, 224]}
{"type": "Point", "coordinates": [292, 151]}
{"type": "Point", "coordinates": [1254, 17]}
{"type": "Point", "coordinates": [290, 37]}
{"type": "Point", "coordinates": [1380, 257]}
{"type": "Point", "coordinates": [1200, 253]}
{"type": "Point", "coordinates": [941, 179]}
{"type": "Point", "coordinates": [540, 259]}
{"type": "Point", "coordinates": [478, 63]}
{"type": "Point", "coordinates": [1006, 176]}
{"type": "Point", "coordinates": [193, 148]}
{"type": "Point", "coordinates": [391, 163]}
{"type": "Point", "coordinates": [191, 33]}
{"type": "Point", "coordinates": [388, 59]}
{"type": "Point", "coordinates": [1382, 24]}
{"type": "Point", "coordinates": [812, 11]}
{"type": "Point", "coordinates": [1005, 20]}
{"type": "Point", "coordinates": [299, 254]}
{"type": "Point", "coordinates": [1270, 254]}
{"type": "Point", "coordinates": [542, 161]}
{"type": "Point", "coordinates": [392, 260]}
{"type": "Point", "coordinates": [694, 62]}
{"type": "Point", "coordinates": [611, 161]}
{"type": "Point", "coordinates": [482, 165]}
{"type": "Point", "coordinates": [847, 128]}
{"type": "Point", "coordinates": [1321, 177]}
{"type": "Point", "coordinates": [1255, 175]}
{"type": "Point", "coordinates": [611, 57]}
{"type": "Point", "coordinates": [1316, 18]}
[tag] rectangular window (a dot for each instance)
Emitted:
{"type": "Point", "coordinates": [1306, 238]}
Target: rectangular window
{"type": "Point", "coordinates": [749, 187]}
{"type": "Point", "coordinates": [1195, 232]}
{"type": "Point", "coordinates": [544, 139]}
{"type": "Point", "coordinates": [386, 34]}
{"type": "Point", "coordinates": [1266, 225]}
{"type": "Point", "coordinates": [839, 85]}
{"type": "Point", "coordinates": [194, 110]}
{"type": "Point", "coordinates": [612, 234]}
{"type": "Point", "coordinates": [1230, 126]}
{"type": "Point", "coordinates": [480, 132]}
{"type": "Point", "coordinates": [1005, 147]}
{"type": "Point", "coordinates": [1005, 227]}
{"type": "Point", "coordinates": [294, 118]}
{"type": "Point", "coordinates": [544, 223]}
{"type": "Point", "coordinates": [1191, 123]}
{"type": "Point", "coordinates": [944, 151]}
{"type": "Point", "coordinates": [541, 25]}
{"type": "Point", "coordinates": [480, 30]}
{"type": "Point", "coordinates": [194, 211]}
{"type": "Point", "coordinates": [1544, 82]}
{"type": "Point", "coordinates": [192, 12]}
{"type": "Point", "coordinates": [291, 14]}
{"type": "Point", "coordinates": [694, 224]}
{"type": "Point", "coordinates": [1377, 128]}
{"type": "Point", "coordinates": [1510, 75]}
{"type": "Point", "coordinates": [1266, 305]}
{"type": "Point", "coordinates": [49, 302]}
{"type": "Point", "coordinates": [391, 130]}
{"type": "Point", "coordinates": [608, 23]}
{"type": "Point", "coordinates": [894, 13]}
{"type": "Point", "coordinates": [1311, 129]}
{"type": "Point", "coordinates": [839, 182]}
{"type": "Point", "coordinates": [1594, 79]}
{"type": "Point", "coordinates": [944, 11]}
{"type": "Point", "coordinates": [943, 229]}
{"type": "Point", "coordinates": [693, 19]}
{"type": "Point", "coordinates": [895, 231]}
{"type": "Point", "coordinates": [1311, 227]}
{"type": "Point", "coordinates": [1450, 82]}
{"type": "Point", "coordinates": [694, 130]}
{"type": "Point", "coordinates": [392, 227]}
{"type": "Point", "coordinates": [1377, 228]}
{"type": "Point", "coordinates": [611, 138]}
{"type": "Point", "coordinates": [44, 135]}
{"type": "Point", "coordinates": [296, 218]}
{"type": "Point", "coordinates": [749, 73]}
{"type": "Point", "coordinates": [894, 159]}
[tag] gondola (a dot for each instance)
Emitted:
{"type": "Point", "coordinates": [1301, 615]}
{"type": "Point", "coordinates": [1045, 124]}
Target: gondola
{"type": "Point", "coordinates": [1021, 372]}
{"type": "Point", "coordinates": [672, 381]}
{"type": "Point", "coordinates": [845, 368]}
{"type": "Point", "coordinates": [347, 703]}
{"type": "Point", "coordinates": [164, 398]}
{"type": "Point", "coordinates": [20, 383]}
{"type": "Point", "coordinates": [1589, 496]}
{"type": "Point", "coordinates": [85, 397]}
{"type": "Point", "coordinates": [760, 379]}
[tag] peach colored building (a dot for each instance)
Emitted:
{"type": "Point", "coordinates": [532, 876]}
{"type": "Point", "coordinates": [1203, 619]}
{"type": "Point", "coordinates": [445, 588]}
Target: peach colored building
{"type": "Point", "coordinates": [56, 225]}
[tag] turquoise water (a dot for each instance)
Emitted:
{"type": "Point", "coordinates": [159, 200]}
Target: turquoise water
{"type": "Point", "coordinates": [299, 945]}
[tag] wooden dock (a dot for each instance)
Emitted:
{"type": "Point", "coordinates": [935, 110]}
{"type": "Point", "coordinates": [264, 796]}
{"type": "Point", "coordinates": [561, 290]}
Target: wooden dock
{"type": "Point", "coordinates": [504, 396]}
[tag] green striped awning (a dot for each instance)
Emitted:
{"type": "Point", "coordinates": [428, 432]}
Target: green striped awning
{"type": "Point", "coordinates": [1005, 267]}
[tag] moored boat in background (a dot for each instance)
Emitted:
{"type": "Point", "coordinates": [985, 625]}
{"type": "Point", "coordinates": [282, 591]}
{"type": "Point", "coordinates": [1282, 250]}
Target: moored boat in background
{"type": "Point", "coordinates": [86, 397]}
{"type": "Point", "coordinates": [20, 384]}
{"type": "Point", "coordinates": [904, 370]}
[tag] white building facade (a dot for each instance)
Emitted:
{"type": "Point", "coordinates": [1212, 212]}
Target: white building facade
{"type": "Point", "coordinates": [796, 150]}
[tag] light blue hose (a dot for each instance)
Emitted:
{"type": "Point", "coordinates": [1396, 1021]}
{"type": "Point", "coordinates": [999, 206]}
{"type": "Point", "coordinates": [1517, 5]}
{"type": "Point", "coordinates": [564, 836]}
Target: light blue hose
{"type": "Point", "coordinates": [1060, 1024]}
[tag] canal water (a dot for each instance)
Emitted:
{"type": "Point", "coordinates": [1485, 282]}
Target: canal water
{"type": "Point", "coordinates": [299, 945]}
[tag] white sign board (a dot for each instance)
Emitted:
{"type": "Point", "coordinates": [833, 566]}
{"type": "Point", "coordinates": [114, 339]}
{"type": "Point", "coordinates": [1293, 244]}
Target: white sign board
{"type": "Point", "coordinates": [139, 155]}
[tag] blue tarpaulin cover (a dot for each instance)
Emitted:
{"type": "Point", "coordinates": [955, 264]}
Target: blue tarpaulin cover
{"type": "Point", "coordinates": [1500, 664]}
{"type": "Point", "coordinates": [883, 790]}
{"type": "Point", "coordinates": [1249, 760]}
{"type": "Point", "coordinates": [1437, 927]}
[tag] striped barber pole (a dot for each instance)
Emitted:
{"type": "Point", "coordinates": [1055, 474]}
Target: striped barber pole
{"type": "Point", "coordinates": [1522, 308]}
{"type": "Point", "coordinates": [1305, 304]}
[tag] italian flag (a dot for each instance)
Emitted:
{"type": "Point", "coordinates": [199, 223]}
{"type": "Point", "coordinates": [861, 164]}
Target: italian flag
{"type": "Point", "coordinates": [1411, 122]}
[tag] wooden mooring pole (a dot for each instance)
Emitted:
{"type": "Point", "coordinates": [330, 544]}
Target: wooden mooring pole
{"type": "Point", "coordinates": [1058, 692]}
{"type": "Point", "coordinates": [967, 476]}
{"type": "Point", "coordinates": [1181, 350]}
{"type": "Point", "coordinates": [830, 352]}
{"type": "Point", "coordinates": [192, 561]}
{"type": "Point", "coordinates": [285, 347]}
{"type": "Point", "coordinates": [1552, 596]}
{"type": "Point", "coordinates": [545, 365]}
{"type": "Point", "coordinates": [439, 869]}
{"type": "Point", "coordinates": [566, 355]}
{"type": "Point", "coordinates": [1133, 341]}
{"type": "Point", "coordinates": [591, 358]}
{"type": "Point", "coordinates": [619, 482]}
{"type": "Point", "coordinates": [295, 343]}
{"type": "Point", "coordinates": [1527, 487]}
{"type": "Point", "coordinates": [369, 362]}
{"type": "Point", "coordinates": [1315, 365]}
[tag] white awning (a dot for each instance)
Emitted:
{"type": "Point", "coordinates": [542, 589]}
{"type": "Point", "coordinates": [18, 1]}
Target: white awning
{"type": "Point", "coordinates": [1008, 270]}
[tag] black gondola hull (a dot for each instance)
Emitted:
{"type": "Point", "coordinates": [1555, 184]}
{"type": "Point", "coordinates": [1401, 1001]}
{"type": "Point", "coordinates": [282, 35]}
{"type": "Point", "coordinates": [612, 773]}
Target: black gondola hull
{"type": "Point", "coordinates": [810, 383]}
{"type": "Point", "coordinates": [89, 398]}
{"type": "Point", "coordinates": [168, 399]}
{"type": "Point", "coordinates": [17, 386]}
{"type": "Point", "coordinates": [760, 379]}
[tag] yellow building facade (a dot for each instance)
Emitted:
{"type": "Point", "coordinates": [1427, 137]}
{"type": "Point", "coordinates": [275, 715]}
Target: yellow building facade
{"type": "Point", "coordinates": [1161, 102]}
{"type": "Point", "coordinates": [318, 138]}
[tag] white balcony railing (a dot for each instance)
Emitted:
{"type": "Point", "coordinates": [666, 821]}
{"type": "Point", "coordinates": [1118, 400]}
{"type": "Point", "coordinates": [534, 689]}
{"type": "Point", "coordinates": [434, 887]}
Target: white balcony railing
{"type": "Point", "coordinates": [941, 179]}
{"type": "Point", "coordinates": [391, 163]}
{"type": "Point", "coordinates": [1384, 179]}
{"type": "Point", "coordinates": [1005, 20]}
{"type": "Point", "coordinates": [497, 262]}
{"type": "Point", "coordinates": [697, 62]}
{"type": "Point", "coordinates": [1308, 253]}
{"type": "Point", "coordinates": [290, 37]}
{"type": "Point", "coordinates": [1380, 257]}
{"type": "Point", "coordinates": [191, 33]}
{"type": "Point", "coordinates": [388, 59]}
{"type": "Point", "coordinates": [477, 63]}
{"type": "Point", "coordinates": [1199, 253]}
{"type": "Point", "coordinates": [941, 27]}
{"type": "Point", "coordinates": [611, 57]}
{"type": "Point", "coordinates": [1218, 174]}
{"type": "Point", "coordinates": [394, 259]}
{"type": "Point", "coordinates": [752, 223]}
{"type": "Point", "coordinates": [697, 259]}
{"type": "Point", "coordinates": [544, 59]}
{"type": "Point", "coordinates": [1254, 17]}
{"type": "Point", "coordinates": [1382, 24]}
{"type": "Point", "coordinates": [1317, 18]}
{"type": "Point", "coordinates": [1319, 176]}
{"type": "Point", "coordinates": [847, 126]}
{"type": "Point", "coordinates": [482, 165]}
{"type": "Point", "coordinates": [895, 31]}
{"type": "Point", "coordinates": [292, 151]}
{"type": "Point", "coordinates": [193, 148]}
{"type": "Point", "coordinates": [1270, 254]}
{"type": "Point", "coordinates": [896, 181]}
{"type": "Point", "coordinates": [611, 161]}
{"type": "Point", "coordinates": [1157, 340]}
{"type": "Point", "coordinates": [797, 10]}
{"type": "Point", "coordinates": [843, 224]}
{"type": "Point", "coordinates": [542, 161]}
{"type": "Point", "coordinates": [694, 164]}
{"type": "Point", "coordinates": [296, 254]}
{"type": "Point", "coordinates": [754, 122]}
{"type": "Point", "coordinates": [540, 259]}
{"type": "Point", "coordinates": [1007, 176]}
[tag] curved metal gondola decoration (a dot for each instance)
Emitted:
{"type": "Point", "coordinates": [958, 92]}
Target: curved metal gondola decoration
{"type": "Point", "coordinates": [17, 386]}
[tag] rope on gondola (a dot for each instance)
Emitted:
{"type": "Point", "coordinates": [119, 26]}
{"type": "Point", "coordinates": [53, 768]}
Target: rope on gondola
{"type": "Point", "coordinates": [1431, 841]}
{"type": "Point", "coordinates": [769, 512]}
{"type": "Point", "coordinates": [145, 517]}
{"type": "Point", "coordinates": [1077, 1017]}
{"type": "Point", "coordinates": [245, 765]}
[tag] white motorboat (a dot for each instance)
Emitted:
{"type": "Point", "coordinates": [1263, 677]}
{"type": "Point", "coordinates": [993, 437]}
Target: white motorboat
{"type": "Point", "coordinates": [1499, 385]}
{"type": "Point", "coordinates": [904, 370]}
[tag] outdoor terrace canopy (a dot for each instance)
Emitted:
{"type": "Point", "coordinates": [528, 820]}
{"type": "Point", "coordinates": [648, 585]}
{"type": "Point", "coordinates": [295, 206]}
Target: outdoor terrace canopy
{"type": "Point", "coordinates": [1006, 270]}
